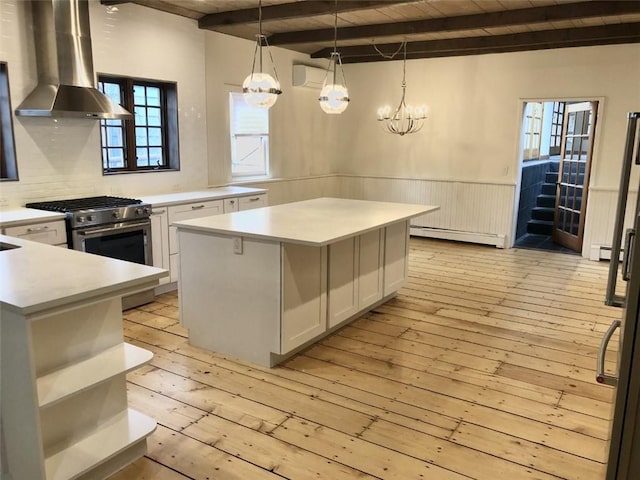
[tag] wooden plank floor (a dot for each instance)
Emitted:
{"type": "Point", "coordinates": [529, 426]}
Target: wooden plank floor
{"type": "Point", "coordinates": [482, 367]}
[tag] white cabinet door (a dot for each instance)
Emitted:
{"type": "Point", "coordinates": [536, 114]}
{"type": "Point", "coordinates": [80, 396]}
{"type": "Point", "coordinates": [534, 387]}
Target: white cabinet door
{"type": "Point", "coordinates": [187, 212]}
{"type": "Point", "coordinates": [254, 201]}
{"type": "Point", "coordinates": [395, 256]}
{"type": "Point", "coordinates": [304, 294]}
{"type": "Point", "coordinates": [343, 280]}
{"type": "Point", "coordinates": [160, 240]}
{"type": "Point", "coordinates": [53, 233]}
{"type": "Point", "coordinates": [370, 272]}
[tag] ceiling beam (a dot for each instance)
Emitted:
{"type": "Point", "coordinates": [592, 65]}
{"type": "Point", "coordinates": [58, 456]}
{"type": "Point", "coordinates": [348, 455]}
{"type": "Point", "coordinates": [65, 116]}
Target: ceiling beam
{"type": "Point", "coordinates": [283, 11]}
{"type": "Point", "coordinates": [516, 42]}
{"type": "Point", "coordinates": [566, 11]}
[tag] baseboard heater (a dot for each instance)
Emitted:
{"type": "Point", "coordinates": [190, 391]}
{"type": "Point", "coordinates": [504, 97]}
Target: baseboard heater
{"type": "Point", "coordinates": [460, 236]}
{"type": "Point", "coordinates": [602, 252]}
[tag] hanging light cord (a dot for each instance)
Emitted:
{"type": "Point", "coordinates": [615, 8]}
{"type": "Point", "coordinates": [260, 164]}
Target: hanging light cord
{"type": "Point", "coordinates": [261, 37]}
{"type": "Point", "coordinates": [335, 30]}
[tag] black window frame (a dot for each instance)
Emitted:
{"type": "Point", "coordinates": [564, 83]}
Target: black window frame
{"type": "Point", "coordinates": [169, 126]}
{"type": "Point", "coordinates": [8, 160]}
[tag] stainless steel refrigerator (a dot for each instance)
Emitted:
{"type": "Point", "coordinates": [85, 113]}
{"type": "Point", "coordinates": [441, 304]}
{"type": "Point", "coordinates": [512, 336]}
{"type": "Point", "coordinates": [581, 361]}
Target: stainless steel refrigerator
{"type": "Point", "coordinates": [624, 448]}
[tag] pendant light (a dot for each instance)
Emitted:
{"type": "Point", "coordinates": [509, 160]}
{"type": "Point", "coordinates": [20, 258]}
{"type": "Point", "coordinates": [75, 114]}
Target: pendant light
{"type": "Point", "coordinates": [260, 89]}
{"type": "Point", "coordinates": [405, 119]}
{"type": "Point", "coordinates": [334, 97]}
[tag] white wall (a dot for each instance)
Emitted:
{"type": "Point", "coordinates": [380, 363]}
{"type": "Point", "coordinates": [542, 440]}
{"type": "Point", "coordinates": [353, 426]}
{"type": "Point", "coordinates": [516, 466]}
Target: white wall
{"type": "Point", "coordinates": [61, 159]}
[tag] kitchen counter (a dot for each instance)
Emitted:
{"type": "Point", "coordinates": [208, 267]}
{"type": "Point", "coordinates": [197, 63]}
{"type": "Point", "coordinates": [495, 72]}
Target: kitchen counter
{"type": "Point", "coordinates": [262, 284]}
{"type": "Point", "coordinates": [27, 216]}
{"type": "Point", "coordinates": [316, 222]}
{"type": "Point", "coordinates": [63, 352]}
{"type": "Point", "coordinates": [220, 193]}
{"type": "Point", "coordinates": [38, 277]}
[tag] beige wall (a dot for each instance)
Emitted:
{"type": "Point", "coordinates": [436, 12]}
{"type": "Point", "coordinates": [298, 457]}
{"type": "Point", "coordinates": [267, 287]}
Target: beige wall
{"type": "Point", "coordinates": [302, 137]}
{"type": "Point", "coordinates": [474, 109]}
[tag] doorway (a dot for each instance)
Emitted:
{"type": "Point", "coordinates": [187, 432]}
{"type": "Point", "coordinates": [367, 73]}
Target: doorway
{"type": "Point", "coordinates": [555, 160]}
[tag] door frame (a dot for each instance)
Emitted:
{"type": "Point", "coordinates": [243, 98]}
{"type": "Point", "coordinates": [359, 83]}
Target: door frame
{"type": "Point", "coordinates": [518, 153]}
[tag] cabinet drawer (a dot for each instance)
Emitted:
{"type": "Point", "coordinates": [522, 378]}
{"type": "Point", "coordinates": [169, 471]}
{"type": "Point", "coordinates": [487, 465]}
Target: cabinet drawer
{"type": "Point", "coordinates": [53, 233]}
{"type": "Point", "coordinates": [231, 205]}
{"type": "Point", "coordinates": [254, 201]}
{"type": "Point", "coordinates": [186, 212]}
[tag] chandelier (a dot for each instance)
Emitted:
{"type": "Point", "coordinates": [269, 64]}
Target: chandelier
{"type": "Point", "coordinates": [405, 119]}
{"type": "Point", "coordinates": [260, 89]}
{"type": "Point", "coordinates": [334, 96]}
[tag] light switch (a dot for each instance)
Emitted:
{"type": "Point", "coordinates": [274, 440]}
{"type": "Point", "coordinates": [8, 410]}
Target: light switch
{"type": "Point", "coordinates": [237, 245]}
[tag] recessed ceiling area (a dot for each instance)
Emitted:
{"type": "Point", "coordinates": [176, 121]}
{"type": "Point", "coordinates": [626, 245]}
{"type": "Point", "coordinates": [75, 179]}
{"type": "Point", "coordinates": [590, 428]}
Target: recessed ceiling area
{"type": "Point", "coordinates": [432, 28]}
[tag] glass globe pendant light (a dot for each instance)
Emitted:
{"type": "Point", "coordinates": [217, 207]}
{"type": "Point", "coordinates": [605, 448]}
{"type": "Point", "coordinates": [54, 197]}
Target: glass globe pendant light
{"type": "Point", "coordinates": [261, 89]}
{"type": "Point", "coordinates": [334, 96]}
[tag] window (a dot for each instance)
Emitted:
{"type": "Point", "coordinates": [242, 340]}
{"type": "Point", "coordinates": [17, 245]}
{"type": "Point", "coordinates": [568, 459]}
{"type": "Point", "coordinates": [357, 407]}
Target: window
{"type": "Point", "coordinates": [249, 128]}
{"type": "Point", "coordinates": [8, 165]}
{"type": "Point", "coordinates": [149, 142]}
{"type": "Point", "coordinates": [531, 131]}
{"type": "Point", "coordinates": [556, 128]}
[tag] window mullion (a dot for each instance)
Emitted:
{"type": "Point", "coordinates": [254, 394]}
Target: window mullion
{"type": "Point", "coordinates": [132, 160]}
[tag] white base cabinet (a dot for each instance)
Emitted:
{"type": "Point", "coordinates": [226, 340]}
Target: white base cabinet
{"type": "Point", "coordinates": [52, 233]}
{"type": "Point", "coordinates": [262, 300]}
{"type": "Point", "coordinates": [160, 240]}
{"type": "Point", "coordinates": [64, 399]}
{"type": "Point", "coordinates": [164, 239]}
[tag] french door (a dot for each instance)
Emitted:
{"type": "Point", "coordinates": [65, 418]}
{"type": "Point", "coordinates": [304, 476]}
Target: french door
{"type": "Point", "coordinates": [573, 175]}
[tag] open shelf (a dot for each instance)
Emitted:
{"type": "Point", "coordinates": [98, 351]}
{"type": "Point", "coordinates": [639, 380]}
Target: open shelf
{"type": "Point", "coordinates": [113, 438]}
{"type": "Point", "coordinates": [88, 373]}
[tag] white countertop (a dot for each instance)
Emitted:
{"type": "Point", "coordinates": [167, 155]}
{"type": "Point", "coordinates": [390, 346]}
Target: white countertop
{"type": "Point", "coordinates": [168, 199]}
{"type": "Point", "coordinates": [27, 216]}
{"type": "Point", "coordinates": [316, 222]}
{"type": "Point", "coordinates": [39, 277]}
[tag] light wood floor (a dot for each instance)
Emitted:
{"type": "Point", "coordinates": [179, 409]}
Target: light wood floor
{"type": "Point", "coordinates": [482, 367]}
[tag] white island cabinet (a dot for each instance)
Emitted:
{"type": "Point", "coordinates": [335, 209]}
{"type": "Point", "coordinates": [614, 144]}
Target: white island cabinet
{"type": "Point", "coordinates": [174, 207]}
{"type": "Point", "coordinates": [262, 284]}
{"type": "Point", "coordinates": [63, 401]}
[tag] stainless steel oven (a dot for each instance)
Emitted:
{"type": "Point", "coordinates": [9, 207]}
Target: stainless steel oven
{"type": "Point", "coordinates": [113, 227]}
{"type": "Point", "coordinates": [130, 241]}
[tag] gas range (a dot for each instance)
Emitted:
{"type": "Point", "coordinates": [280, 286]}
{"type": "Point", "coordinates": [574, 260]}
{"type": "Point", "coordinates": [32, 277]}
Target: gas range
{"type": "Point", "coordinates": [96, 211]}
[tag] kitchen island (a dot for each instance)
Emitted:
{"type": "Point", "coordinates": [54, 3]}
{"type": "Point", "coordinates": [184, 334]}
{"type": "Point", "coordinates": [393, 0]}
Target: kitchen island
{"type": "Point", "coordinates": [261, 285]}
{"type": "Point", "coordinates": [63, 400]}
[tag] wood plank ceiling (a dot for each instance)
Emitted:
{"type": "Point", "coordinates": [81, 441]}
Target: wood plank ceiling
{"type": "Point", "coordinates": [432, 28]}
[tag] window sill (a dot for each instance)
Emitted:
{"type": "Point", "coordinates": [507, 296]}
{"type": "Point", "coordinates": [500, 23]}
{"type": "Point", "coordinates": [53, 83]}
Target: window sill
{"type": "Point", "coordinates": [133, 172]}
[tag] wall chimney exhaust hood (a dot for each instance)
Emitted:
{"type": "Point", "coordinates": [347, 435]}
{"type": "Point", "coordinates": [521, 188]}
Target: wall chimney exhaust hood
{"type": "Point", "coordinates": [66, 82]}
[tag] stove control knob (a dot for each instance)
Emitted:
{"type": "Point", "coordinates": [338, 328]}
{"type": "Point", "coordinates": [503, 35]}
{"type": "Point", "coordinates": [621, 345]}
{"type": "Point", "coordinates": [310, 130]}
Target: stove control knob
{"type": "Point", "coordinates": [146, 210]}
{"type": "Point", "coordinates": [139, 211]}
{"type": "Point", "coordinates": [116, 214]}
{"type": "Point", "coordinates": [90, 218]}
{"type": "Point", "coordinates": [80, 219]}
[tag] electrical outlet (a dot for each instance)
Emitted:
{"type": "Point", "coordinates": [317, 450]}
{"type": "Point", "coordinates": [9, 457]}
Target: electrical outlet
{"type": "Point", "coordinates": [237, 245]}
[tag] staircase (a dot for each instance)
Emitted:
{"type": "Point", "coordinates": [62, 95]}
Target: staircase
{"type": "Point", "coordinates": [541, 222]}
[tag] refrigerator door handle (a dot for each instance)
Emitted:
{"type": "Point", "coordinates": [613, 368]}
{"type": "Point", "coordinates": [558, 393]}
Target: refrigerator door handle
{"type": "Point", "coordinates": [628, 253]}
{"type": "Point", "coordinates": [602, 377]}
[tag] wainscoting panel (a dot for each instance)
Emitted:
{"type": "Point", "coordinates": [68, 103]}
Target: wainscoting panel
{"type": "Point", "coordinates": [288, 190]}
{"type": "Point", "coordinates": [484, 210]}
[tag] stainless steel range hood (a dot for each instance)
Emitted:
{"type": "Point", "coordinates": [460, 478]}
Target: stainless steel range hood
{"type": "Point", "coordinates": [66, 83]}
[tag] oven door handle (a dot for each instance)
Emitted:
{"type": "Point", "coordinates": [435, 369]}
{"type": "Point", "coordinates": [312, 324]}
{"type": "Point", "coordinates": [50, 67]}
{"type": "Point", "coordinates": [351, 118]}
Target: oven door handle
{"type": "Point", "coordinates": [124, 227]}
